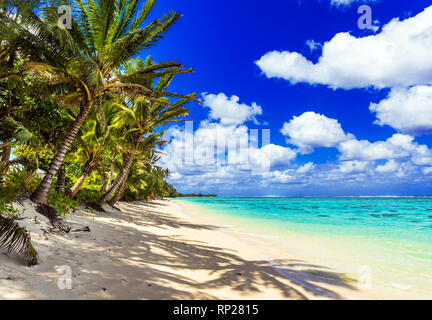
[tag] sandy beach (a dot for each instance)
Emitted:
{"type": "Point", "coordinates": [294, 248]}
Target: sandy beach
{"type": "Point", "coordinates": [165, 250]}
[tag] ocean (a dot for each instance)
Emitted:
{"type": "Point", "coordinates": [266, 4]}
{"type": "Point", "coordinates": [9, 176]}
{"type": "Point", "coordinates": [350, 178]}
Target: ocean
{"type": "Point", "coordinates": [391, 235]}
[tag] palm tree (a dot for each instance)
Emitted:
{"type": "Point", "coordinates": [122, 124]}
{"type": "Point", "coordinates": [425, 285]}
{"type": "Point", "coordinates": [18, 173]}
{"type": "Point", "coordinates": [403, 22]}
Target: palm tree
{"type": "Point", "coordinates": [137, 183]}
{"type": "Point", "coordinates": [143, 159]}
{"type": "Point", "coordinates": [98, 134]}
{"type": "Point", "coordinates": [92, 147]}
{"type": "Point", "coordinates": [83, 64]}
{"type": "Point", "coordinates": [143, 116]}
{"type": "Point", "coordinates": [11, 130]}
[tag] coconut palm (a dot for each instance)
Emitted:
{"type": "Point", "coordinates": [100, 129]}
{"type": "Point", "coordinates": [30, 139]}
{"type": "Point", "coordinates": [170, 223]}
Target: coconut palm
{"type": "Point", "coordinates": [137, 183]}
{"type": "Point", "coordinates": [98, 133]}
{"type": "Point", "coordinates": [143, 116]}
{"type": "Point", "coordinates": [143, 160]}
{"type": "Point", "coordinates": [92, 147]}
{"type": "Point", "coordinates": [83, 65]}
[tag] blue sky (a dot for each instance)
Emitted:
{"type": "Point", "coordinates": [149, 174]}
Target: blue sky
{"type": "Point", "coordinates": [350, 110]}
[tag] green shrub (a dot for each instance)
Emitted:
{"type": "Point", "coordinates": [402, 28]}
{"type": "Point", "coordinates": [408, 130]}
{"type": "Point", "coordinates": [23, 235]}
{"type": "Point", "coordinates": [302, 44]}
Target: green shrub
{"type": "Point", "coordinates": [62, 203]}
{"type": "Point", "coordinates": [8, 209]}
{"type": "Point", "coordinates": [89, 195]}
{"type": "Point", "coordinates": [9, 188]}
{"type": "Point", "coordinates": [18, 180]}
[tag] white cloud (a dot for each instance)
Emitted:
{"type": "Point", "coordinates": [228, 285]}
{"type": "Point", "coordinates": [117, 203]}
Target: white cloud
{"type": "Point", "coordinates": [261, 160]}
{"type": "Point", "coordinates": [399, 147]}
{"type": "Point", "coordinates": [427, 170]}
{"type": "Point", "coordinates": [354, 166]}
{"type": "Point", "coordinates": [312, 130]}
{"type": "Point", "coordinates": [338, 3]}
{"type": "Point", "coordinates": [396, 147]}
{"type": "Point", "coordinates": [222, 149]}
{"type": "Point", "coordinates": [306, 168]}
{"type": "Point", "coordinates": [277, 155]}
{"type": "Point", "coordinates": [422, 156]}
{"type": "Point", "coordinates": [398, 56]}
{"type": "Point", "coordinates": [229, 111]}
{"type": "Point", "coordinates": [313, 45]}
{"type": "Point", "coordinates": [240, 168]}
{"type": "Point", "coordinates": [390, 166]}
{"type": "Point", "coordinates": [282, 177]}
{"type": "Point", "coordinates": [407, 110]}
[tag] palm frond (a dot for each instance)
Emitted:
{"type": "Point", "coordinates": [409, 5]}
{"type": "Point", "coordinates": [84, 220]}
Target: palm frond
{"type": "Point", "coordinates": [15, 239]}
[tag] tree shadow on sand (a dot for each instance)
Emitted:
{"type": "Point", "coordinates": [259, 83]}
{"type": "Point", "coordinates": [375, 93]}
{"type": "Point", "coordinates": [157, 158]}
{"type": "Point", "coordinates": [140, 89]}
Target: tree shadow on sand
{"type": "Point", "coordinates": [292, 278]}
{"type": "Point", "coordinates": [130, 263]}
{"type": "Point", "coordinates": [146, 214]}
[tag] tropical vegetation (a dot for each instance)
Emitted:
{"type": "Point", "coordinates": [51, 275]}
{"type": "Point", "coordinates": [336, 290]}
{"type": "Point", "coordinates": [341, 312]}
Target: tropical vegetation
{"type": "Point", "coordinates": [82, 115]}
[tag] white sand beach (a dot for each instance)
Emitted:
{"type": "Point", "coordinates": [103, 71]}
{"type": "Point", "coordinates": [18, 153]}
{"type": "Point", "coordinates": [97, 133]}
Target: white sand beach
{"type": "Point", "coordinates": [166, 250]}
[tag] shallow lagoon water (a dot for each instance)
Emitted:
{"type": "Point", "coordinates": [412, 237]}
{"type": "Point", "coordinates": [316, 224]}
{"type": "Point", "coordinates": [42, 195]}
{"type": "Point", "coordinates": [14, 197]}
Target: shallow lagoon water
{"type": "Point", "coordinates": [393, 235]}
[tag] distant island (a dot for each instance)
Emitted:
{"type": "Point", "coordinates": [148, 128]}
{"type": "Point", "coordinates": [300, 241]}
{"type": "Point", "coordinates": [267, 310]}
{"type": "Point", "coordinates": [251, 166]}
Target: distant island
{"type": "Point", "coordinates": [195, 195]}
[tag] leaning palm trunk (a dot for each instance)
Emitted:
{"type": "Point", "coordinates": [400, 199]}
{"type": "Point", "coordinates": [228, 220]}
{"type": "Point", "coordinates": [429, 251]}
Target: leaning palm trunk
{"type": "Point", "coordinates": [125, 172]}
{"type": "Point", "coordinates": [121, 190]}
{"type": "Point", "coordinates": [61, 180]}
{"type": "Point", "coordinates": [41, 193]}
{"type": "Point", "coordinates": [101, 171]}
{"type": "Point", "coordinates": [77, 186]}
{"type": "Point", "coordinates": [110, 178]}
{"type": "Point", "coordinates": [4, 161]}
{"type": "Point", "coordinates": [6, 151]}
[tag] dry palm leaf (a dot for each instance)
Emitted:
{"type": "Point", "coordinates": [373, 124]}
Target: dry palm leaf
{"type": "Point", "coordinates": [16, 239]}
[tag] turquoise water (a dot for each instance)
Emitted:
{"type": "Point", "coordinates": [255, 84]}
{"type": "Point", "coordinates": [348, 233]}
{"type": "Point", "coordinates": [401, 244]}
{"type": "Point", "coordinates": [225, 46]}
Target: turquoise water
{"type": "Point", "coordinates": [406, 218]}
{"type": "Point", "coordinates": [393, 233]}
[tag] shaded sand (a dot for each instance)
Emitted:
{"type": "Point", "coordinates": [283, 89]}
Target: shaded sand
{"type": "Point", "coordinates": [162, 250]}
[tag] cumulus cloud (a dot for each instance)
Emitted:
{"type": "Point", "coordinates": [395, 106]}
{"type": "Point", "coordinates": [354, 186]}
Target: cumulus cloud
{"type": "Point", "coordinates": [408, 110]}
{"type": "Point", "coordinates": [396, 147]}
{"type": "Point", "coordinates": [427, 170]}
{"type": "Point", "coordinates": [229, 111]}
{"type": "Point", "coordinates": [223, 146]}
{"type": "Point", "coordinates": [306, 168]}
{"type": "Point", "coordinates": [274, 155]}
{"type": "Point", "coordinates": [399, 147]}
{"type": "Point", "coordinates": [224, 158]}
{"type": "Point", "coordinates": [354, 166]}
{"type": "Point", "coordinates": [390, 166]}
{"type": "Point", "coordinates": [398, 56]}
{"type": "Point", "coordinates": [311, 130]}
{"type": "Point", "coordinates": [338, 3]}
{"type": "Point", "coordinates": [313, 45]}
{"type": "Point", "coordinates": [422, 156]}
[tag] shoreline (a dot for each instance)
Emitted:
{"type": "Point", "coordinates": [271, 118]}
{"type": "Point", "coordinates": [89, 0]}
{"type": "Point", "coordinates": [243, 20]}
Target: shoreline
{"type": "Point", "coordinates": [316, 250]}
{"type": "Point", "coordinates": [168, 250]}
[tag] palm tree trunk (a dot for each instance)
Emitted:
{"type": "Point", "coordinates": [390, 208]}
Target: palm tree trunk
{"type": "Point", "coordinates": [77, 186]}
{"type": "Point", "coordinates": [117, 183]}
{"type": "Point", "coordinates": [101, 171]}
{"type": "Point", "coordinates": [6, 152]}
{"type": "Point", "coordinates": [110, 178]}
{"type": "Point", "coordinates": [41, 193]}
{"type": "Point", "coordinates": [120, 191]}
{"type": "Point", "coordinates": [61, 180]}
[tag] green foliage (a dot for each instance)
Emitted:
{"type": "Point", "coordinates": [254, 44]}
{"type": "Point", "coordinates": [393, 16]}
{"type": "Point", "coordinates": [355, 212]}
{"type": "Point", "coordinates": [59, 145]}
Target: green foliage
{"type": "Point", "coordinates": [17, 180]}
{"type": "Point", "coordinates": [195, 195]}
{"type": "Point", "coordinates": [13, 182]}
{"type": "Point", "coordinates": [8, 209]}
{"type": "Point", "coordinates": [49, 75]}
{"type": "Point", "coordinates": [88, 195]}
{"type": "Point", "coordinates": [33, 158]}
{"type": "Point", "coordinates": [61, 202]}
